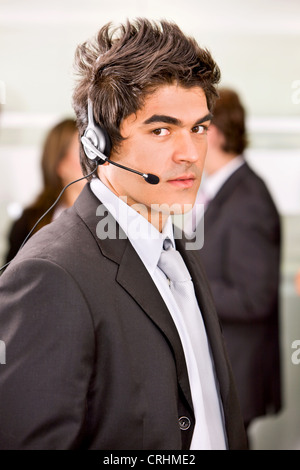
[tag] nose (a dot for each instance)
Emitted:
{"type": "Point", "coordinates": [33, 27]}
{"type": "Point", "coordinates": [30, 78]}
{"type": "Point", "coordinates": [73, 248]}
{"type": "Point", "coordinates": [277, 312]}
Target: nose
{"type": "Point", "coordinates": [187, 149]}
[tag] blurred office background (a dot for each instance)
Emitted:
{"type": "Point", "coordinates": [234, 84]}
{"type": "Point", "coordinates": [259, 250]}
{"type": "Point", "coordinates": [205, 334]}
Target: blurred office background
{"type": "Point", "coordinates": [256, 44]}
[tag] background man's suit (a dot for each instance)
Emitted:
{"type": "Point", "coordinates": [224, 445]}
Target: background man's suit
{"type": "Point", "coordinates": [241, 255]}
{"type": "Point", "coordinates": [108, 372]}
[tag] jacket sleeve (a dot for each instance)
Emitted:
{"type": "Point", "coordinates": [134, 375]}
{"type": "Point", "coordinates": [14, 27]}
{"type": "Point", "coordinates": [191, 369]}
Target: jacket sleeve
{"type": "Point", "coordinates": [246, 289]}
{"type": "Point", "coordinates": [47, 330]}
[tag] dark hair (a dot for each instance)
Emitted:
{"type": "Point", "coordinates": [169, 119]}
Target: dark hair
{"type": "Point", "coordinates": [229, 117]}
{"type": "Point", "coordinates": [55, 147]}
{"type": "Point", "coordinates": [121, 66]}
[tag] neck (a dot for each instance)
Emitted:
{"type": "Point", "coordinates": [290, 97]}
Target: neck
{"type": "Point", "coordinates": [156, 218]}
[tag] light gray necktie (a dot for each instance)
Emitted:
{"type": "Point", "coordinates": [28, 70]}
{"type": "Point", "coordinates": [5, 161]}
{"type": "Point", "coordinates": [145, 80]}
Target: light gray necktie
{"type": "Point", "coordinates": [181, 285]}
{"type": "Point", "coordinates": [182, 288]}
{"type": "Point", "coordinates": [173, 266]}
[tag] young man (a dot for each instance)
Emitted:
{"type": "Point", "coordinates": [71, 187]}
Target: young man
{"type": "Point", "coordinates": [98, 353]}
{"type": "Point", "coordinates": [241, 254]}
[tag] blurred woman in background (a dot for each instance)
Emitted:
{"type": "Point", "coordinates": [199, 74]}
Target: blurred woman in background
{"type": "Point", "coordinates": [60, 165]}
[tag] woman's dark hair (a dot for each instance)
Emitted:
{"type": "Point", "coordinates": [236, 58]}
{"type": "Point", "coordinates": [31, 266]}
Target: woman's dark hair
{"type": "Point", "coordinates": [55, 147]}
{"type": "Point", "coordinates": [121, 66]}
{"type": "Point", "coordinates": [229, 117]}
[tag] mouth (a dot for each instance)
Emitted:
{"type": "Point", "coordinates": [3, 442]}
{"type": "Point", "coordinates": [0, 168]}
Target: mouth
{"type": "Point", "coordinates": [184, 181]}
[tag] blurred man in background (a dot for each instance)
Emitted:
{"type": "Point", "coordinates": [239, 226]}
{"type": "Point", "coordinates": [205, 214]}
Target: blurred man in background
{"type": "Point", "coordinates": [241, 254]}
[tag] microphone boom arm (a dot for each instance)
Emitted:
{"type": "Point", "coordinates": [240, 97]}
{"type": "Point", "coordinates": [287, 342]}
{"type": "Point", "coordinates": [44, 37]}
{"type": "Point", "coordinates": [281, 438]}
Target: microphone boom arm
{"type": "Point", "coordinates": [149, 178]}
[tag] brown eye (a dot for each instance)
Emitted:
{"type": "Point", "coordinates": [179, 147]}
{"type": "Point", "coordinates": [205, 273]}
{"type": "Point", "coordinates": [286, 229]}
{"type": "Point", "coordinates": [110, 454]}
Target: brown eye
{"type": "Point", "coordinates": [161, 131]}
{"type": "Point", "coordinates": [199, 129]}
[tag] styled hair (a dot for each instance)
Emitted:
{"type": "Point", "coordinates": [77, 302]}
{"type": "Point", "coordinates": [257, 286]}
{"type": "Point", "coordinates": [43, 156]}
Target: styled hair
{"type": "Point", "coordinates": [121, 66]}
{"type": "Point", "coordinates": [229, 117]}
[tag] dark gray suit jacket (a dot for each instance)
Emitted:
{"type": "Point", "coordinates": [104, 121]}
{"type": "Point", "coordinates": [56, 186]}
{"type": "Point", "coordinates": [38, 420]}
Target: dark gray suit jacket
{"type": "Point", "coordinates": [241, 256]}
{"type": "Point", "coordinates": [94, 360]}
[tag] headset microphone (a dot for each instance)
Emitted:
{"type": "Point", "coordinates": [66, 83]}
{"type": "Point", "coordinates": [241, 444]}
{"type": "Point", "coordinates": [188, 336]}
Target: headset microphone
{"type": "Point", "coordinates": [97, 146]}
{"type": "Point", "coordinates": [95, 141]}
{"type": "Point", "coordinates": [152, 179]}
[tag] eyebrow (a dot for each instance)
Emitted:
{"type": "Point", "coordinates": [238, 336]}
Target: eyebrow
{"type": "Point", "coordinates": [173, 120]}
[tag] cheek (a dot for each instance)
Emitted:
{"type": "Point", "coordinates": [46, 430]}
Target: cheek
{"type": "Point", "coordinates": [141, 153]}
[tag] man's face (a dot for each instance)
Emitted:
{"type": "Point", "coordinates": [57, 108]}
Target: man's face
{"type": "Point", "coordinates": [166, 137]}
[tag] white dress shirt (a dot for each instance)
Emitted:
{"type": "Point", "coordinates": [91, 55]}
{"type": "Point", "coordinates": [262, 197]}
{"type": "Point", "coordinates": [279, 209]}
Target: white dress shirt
{"type": "Point", "coordinates": [148, 242]}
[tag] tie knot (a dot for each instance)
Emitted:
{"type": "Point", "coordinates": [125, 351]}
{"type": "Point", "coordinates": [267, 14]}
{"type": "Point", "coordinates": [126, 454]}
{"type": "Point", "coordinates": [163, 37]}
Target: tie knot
{"type": "Point", "coordinates": [167, 244]}
{"type": "Point", "coordinates": [172, 264]}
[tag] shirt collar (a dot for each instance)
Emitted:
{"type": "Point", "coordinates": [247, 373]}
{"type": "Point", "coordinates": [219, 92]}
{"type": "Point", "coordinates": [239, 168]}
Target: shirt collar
{"type": "Point", "coordinates": [144, 237]}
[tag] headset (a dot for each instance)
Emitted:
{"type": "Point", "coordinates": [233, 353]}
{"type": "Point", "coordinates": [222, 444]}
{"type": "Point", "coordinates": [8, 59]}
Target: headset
{"type": "Point", "coordinates": [97, 147]}
{"type": "Point", "coordinates": [95, 139]}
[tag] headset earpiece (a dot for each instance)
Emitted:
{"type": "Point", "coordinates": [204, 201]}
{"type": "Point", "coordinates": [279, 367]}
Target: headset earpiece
{"type": "Point", "coordinates": [97, 147]}
{"type": "Point", "coordinates": [98, 137]}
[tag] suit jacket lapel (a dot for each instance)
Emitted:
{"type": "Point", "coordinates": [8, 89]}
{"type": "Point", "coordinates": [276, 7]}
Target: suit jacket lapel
{"type": "Point", "coordinates": [135, 279]}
